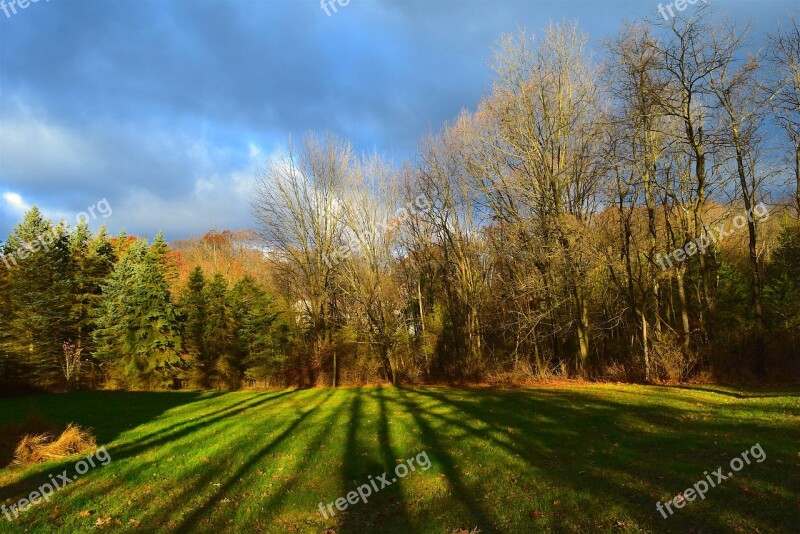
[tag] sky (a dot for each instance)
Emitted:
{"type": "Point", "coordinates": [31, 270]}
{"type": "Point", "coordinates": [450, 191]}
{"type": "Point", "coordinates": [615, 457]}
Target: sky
{"type": "Point", "coordinates": [165, 110]}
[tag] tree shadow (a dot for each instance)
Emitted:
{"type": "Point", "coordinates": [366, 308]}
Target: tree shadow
{"type": "Point", "coordinates": [191, 523]}
{"type": "Point", "coordinates": [39, 474]}
{"type": "Point", "coordinates": [475, 513]}
{"type": "Point", "coordinates": [627, 468]}
{"type": "Point", "coordinates": [385, 509]}
{"type": "Point", "coordinates": [98, 409]}
{"type": "Point", "coordinates": [755, 394]}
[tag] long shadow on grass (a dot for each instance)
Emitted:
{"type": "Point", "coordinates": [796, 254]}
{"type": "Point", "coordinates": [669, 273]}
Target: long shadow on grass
{"type": "Point", "coordinates": [755, 394]}
{"type": "Point", "coordinates": [190, 524]}
{"type": "Point", "coordinates": [630, 470]}
{"type": "Point", "coordinates": [475, 513]}
{"type": "Point", "coordinates": [384, 511]}
{"type": "Point", "coordinates": [279, 494]}
{"type": "Point", "coordinates": [179, 430]}
{"type": "Point", "coordinates": [107, 413]}
{"type": "Point", "coordinates": [39, 476]}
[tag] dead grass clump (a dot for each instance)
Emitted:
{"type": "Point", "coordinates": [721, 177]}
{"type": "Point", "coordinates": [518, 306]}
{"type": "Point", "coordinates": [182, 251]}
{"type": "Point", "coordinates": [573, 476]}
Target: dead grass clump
{"type": "Point", "coordinates": [11, 434]}
{"type": "Point", "coordinates": [37, 448]}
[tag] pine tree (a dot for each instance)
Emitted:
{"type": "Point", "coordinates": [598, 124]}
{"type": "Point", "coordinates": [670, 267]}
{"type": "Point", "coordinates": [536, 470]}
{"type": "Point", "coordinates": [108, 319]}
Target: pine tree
{"type": "Point", "coordinates": [221, 340]}
{"type": "Point", "coordinates": [138, 326]}
{"type": "Point", "coordinates": [94, 257]}
{"type": "Point", "coordinates": [41, 284]}
{"type": "Point", "coordinates": [261, 342]}
{"type": "Point", "coordinates": [193, 306]}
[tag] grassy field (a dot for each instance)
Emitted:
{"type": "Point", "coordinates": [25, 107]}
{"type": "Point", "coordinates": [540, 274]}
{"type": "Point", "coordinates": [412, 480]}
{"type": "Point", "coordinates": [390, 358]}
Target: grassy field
{"type": "Point", "coordinates": [555, 459]}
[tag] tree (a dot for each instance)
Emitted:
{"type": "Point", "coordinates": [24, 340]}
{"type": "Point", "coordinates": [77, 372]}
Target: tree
{"type": "Point", "coordinates": [636, 83]}
{"type": "Point", "coordinates": [261, 341]}
{"type": "Point", "coordinates": [298, 205]}
{"type": "Point", "coordinates": [539, 167]}
{"type": "Point", "coordinates": [138, 332]}
{"type": "Point", "coordinates": [221, 343]}
{"type": "Point", "coordinates": [194, 305]}
{"type": "Point", "coordinates": [42, 282]}
{"type": "Point", "coordinates": [785, 60]}
{"type": "Point", "coordinates": [94, 260]}
{"type": "Point", "coordinates": [744, 109]}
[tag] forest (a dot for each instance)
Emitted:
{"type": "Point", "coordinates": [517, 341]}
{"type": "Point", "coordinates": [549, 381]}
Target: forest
{"type": "Point", "coordinates": [627, 213]}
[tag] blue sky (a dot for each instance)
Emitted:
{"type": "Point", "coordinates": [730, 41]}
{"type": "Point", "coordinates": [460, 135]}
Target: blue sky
{"type": "Point", "coordinates": [167, 108]}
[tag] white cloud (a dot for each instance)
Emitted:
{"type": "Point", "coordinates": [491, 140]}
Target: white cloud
{"type": "Point", "coordinates": [15, 201]}
{"type": "Point", "coordinates": [254, 150]}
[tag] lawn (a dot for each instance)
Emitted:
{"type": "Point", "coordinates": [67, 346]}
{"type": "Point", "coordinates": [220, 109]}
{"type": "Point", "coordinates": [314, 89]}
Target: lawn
{"type": "Point", "coordinates": [551, 459]}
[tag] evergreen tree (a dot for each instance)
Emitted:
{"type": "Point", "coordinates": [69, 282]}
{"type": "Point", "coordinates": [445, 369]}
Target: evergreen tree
{"type": "Point", "coordinates": [9, 375]}
{"type": "Point", "coordinates": [138, 330]}
{"type": "Point", "coordinates": [161, 253]}
{"type": "Point", "coordinates": [41, 286]}
{"type": "Point", "coordinates": [193, 305]}
{"type": "Point", "coordinates": [260, 341]}
{"type": "Point", "coordinates": [221, 340]}
{"type": "Point", "coordinates": [94, 257]}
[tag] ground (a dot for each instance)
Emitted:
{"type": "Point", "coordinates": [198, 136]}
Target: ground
{"type": "Point", "coordinates": [593, 458]}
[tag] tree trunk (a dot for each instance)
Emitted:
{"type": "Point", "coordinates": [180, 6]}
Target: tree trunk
{"type": "Point", "coordinates": [756, 284]}
{"type": "Point", "coordinates": [684, 310]}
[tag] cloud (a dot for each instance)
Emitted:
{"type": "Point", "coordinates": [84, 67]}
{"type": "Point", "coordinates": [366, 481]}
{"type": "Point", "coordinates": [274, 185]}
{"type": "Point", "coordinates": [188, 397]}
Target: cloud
{"type": "Point", "coordinates": [14, 200]}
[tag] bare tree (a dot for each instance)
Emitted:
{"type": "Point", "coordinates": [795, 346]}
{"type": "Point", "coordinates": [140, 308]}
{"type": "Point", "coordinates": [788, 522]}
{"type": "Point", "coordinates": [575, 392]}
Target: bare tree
{"type": "Point", "coordinates": [298, 203]}
{"type": "Point", "coordinates": [449, 231]}
{"type": "Point", "coordinates": [541, 160]}
{"type": "Point", "coordinates": [785, 59]}
{"type": "Point", "coordinates": [374, 213]}
{"type": "Point", "coordinates": [690, 54]}
{"type": "Point", "coordinates": [637, 84]}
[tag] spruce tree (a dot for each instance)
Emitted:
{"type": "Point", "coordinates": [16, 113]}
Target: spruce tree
{"type": "Point", "coordinates": [9, 374]}
{"type": "Point", "coordinates": [260, 339]}
{"type": "Point", "coordinates": [41, 285]}
{"type": "Point", "coordinates": [193, 306]}
{"type": "Point", "coordinates": [94, 257]}
{"type": "Point", "coordinates": [221, 340]}
{"type": "Point", "coordinates": [138, 330]}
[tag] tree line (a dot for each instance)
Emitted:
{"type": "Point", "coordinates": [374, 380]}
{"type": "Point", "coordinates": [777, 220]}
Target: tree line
{"type": "Point", "coordinates": [547, 215]}
{"type": "Point", "coordinates": [632, 219]}
{"type": "Point", "coordinates": [90, 310]}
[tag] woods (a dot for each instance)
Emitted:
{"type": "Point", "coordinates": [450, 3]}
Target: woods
{"type": "Point", "coordinates": [526, 239]}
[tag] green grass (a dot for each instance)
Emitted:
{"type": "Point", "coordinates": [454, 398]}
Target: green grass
{"type": "Point", "coordinates": [556, 459]}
